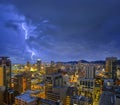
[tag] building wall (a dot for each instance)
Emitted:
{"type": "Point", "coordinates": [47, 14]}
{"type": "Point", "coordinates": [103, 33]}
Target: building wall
{"type": "Point", "coordinates": [1, 76]}
{"type": "Point", "coordinates": [22, 82]}
{"type": "Point", "coordinates": [5, 69]}
{"type": "Point", "coordinates": [111, 67]}
{"type": "Point", "coordinates": [90, 71]}
{"type": "Point", "coordinates": [2, 89]}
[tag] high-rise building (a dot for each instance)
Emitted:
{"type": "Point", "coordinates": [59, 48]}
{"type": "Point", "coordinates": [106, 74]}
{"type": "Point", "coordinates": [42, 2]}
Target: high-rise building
{"type": "Point", "coordinates": [39, 62]}
{"type": "Point", "coordinates": [90, 85]}
{"type": "Point", "coordinates": [111, 69]}
{"type": "Point", "coordinates": [2, 89]}
{"type": "Point", "coordinates": [5, 76]}
{"type": "Point", "coordinates": [9, 98]}
{"type": "Point", "coordinates": [90, 71]}
{"type": "Point", "coordinates": [22, 82]}
{"type": "Point", "coordinates": [5, 72]}
{"type": "Point", "coordinates": [53, 84]}
{"type": "Point", "coordinates": [53, 81]}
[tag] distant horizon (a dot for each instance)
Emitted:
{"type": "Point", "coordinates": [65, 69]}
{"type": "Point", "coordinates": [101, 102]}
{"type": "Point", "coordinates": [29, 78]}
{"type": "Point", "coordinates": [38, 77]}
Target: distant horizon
{"type": "Point", "coordinates": [35, 61]}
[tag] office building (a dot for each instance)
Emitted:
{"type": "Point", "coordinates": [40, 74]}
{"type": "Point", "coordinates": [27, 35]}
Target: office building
{"type": "Point", "coordinates": [90, 71]}
{"type": "Point", "coordinates": [10, 96]}
{"type": "Point", "coordinates": [2, 89]}
{"type": "Point", "coordinates": [22, 82]}
{"type": "Point", "coordinates": [90, 86]}
{"type": "Point", "coordinates": [53, 84]}
{"type": "Point", "coordinates": [5, 72]}
{"type": "Point", "coordinates": [5, 76]}
{"type": "Point", "coordinates": [53, 81]}
{"type": "Point", "coordinates": [39, 63]}
{"type": "Point", "coordinates": [111, 64]}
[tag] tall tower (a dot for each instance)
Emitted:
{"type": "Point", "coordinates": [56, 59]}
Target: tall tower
{"type": "Point", "coordinates": [111, 63]}
{"type": "Point", "coordinates": [5, 76]}
{"type": "Point", "coordinates": [53, 84]}
{"type": "Point", "coordinates": [5, 72]}
{"type": "Point", "coordinates": [90, 71]}
{"type": "Point", "coordinates": [39, 64]}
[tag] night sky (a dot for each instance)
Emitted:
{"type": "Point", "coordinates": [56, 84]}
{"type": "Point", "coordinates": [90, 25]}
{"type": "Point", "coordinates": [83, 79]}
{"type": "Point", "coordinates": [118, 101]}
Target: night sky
{"type": "Point", "coordinates": [59, 30]}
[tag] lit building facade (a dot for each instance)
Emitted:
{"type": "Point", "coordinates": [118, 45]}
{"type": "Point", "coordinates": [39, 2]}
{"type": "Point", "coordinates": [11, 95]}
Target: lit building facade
{"type": "Point", "coordinates": [111, 67]}
{"type": "Point", "coordinates": [52, 82]}
{"type": "Point", "coordinates": [39, 63]}
{"type": "Point", "coordinates": [90, 71]}
{"type": "Point", "coordinates": [5, 77]}
{"type": "Point", "coordinates": [90, 86]}
{"type": "Point", "coordinates": [54, 90]}
{"type": "Point", "coordinates": [22, 82]}
{"type": "Point", "coordinates": [5, 72]}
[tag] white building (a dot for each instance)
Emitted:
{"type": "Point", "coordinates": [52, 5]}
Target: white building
{"type": "Point", "coordinates": [25, 99]}
{"type": "Point", "coordinates": [90, 71]}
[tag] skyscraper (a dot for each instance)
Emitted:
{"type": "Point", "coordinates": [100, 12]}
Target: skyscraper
{"type": "Point", "coordinates": [90, 71]}
{"type": "Point", "coordinates": [39, 64]}
{"type": "Point", "coordinates": [5, 76]}
{"type": "Point", "coordinates": [53, 84]}
{"type": "Point", "coordinates": [111, 63]}
{"type": "Point", "coordinates": [5, 72]}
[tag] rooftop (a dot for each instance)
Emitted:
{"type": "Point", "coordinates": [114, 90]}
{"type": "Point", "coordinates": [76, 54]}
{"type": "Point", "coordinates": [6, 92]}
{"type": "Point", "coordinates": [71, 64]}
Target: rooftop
{"type": "Point", "coordinates": [26, 97]}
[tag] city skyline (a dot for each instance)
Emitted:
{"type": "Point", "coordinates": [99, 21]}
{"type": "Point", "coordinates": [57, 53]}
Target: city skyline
{"type": "Point", "coordinates": [59, 30]}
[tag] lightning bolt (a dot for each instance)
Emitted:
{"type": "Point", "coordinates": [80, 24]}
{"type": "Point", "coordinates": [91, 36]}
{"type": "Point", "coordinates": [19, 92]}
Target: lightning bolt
{"type": "Point", "coordinates": [32, 53]}
{"type": "Point", "coordinates": [26, 31]}
{"type": "Point", "coordinates": [23, 25]}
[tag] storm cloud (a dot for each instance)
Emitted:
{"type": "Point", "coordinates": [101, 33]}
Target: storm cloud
{"type": "Point", "coordinates": [60, 30]}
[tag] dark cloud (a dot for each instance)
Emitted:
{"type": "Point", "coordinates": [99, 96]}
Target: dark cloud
{"type": "Point", "coordinates": [11, 25]}
{"type": "Point", "coordinates": [61, 30]}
